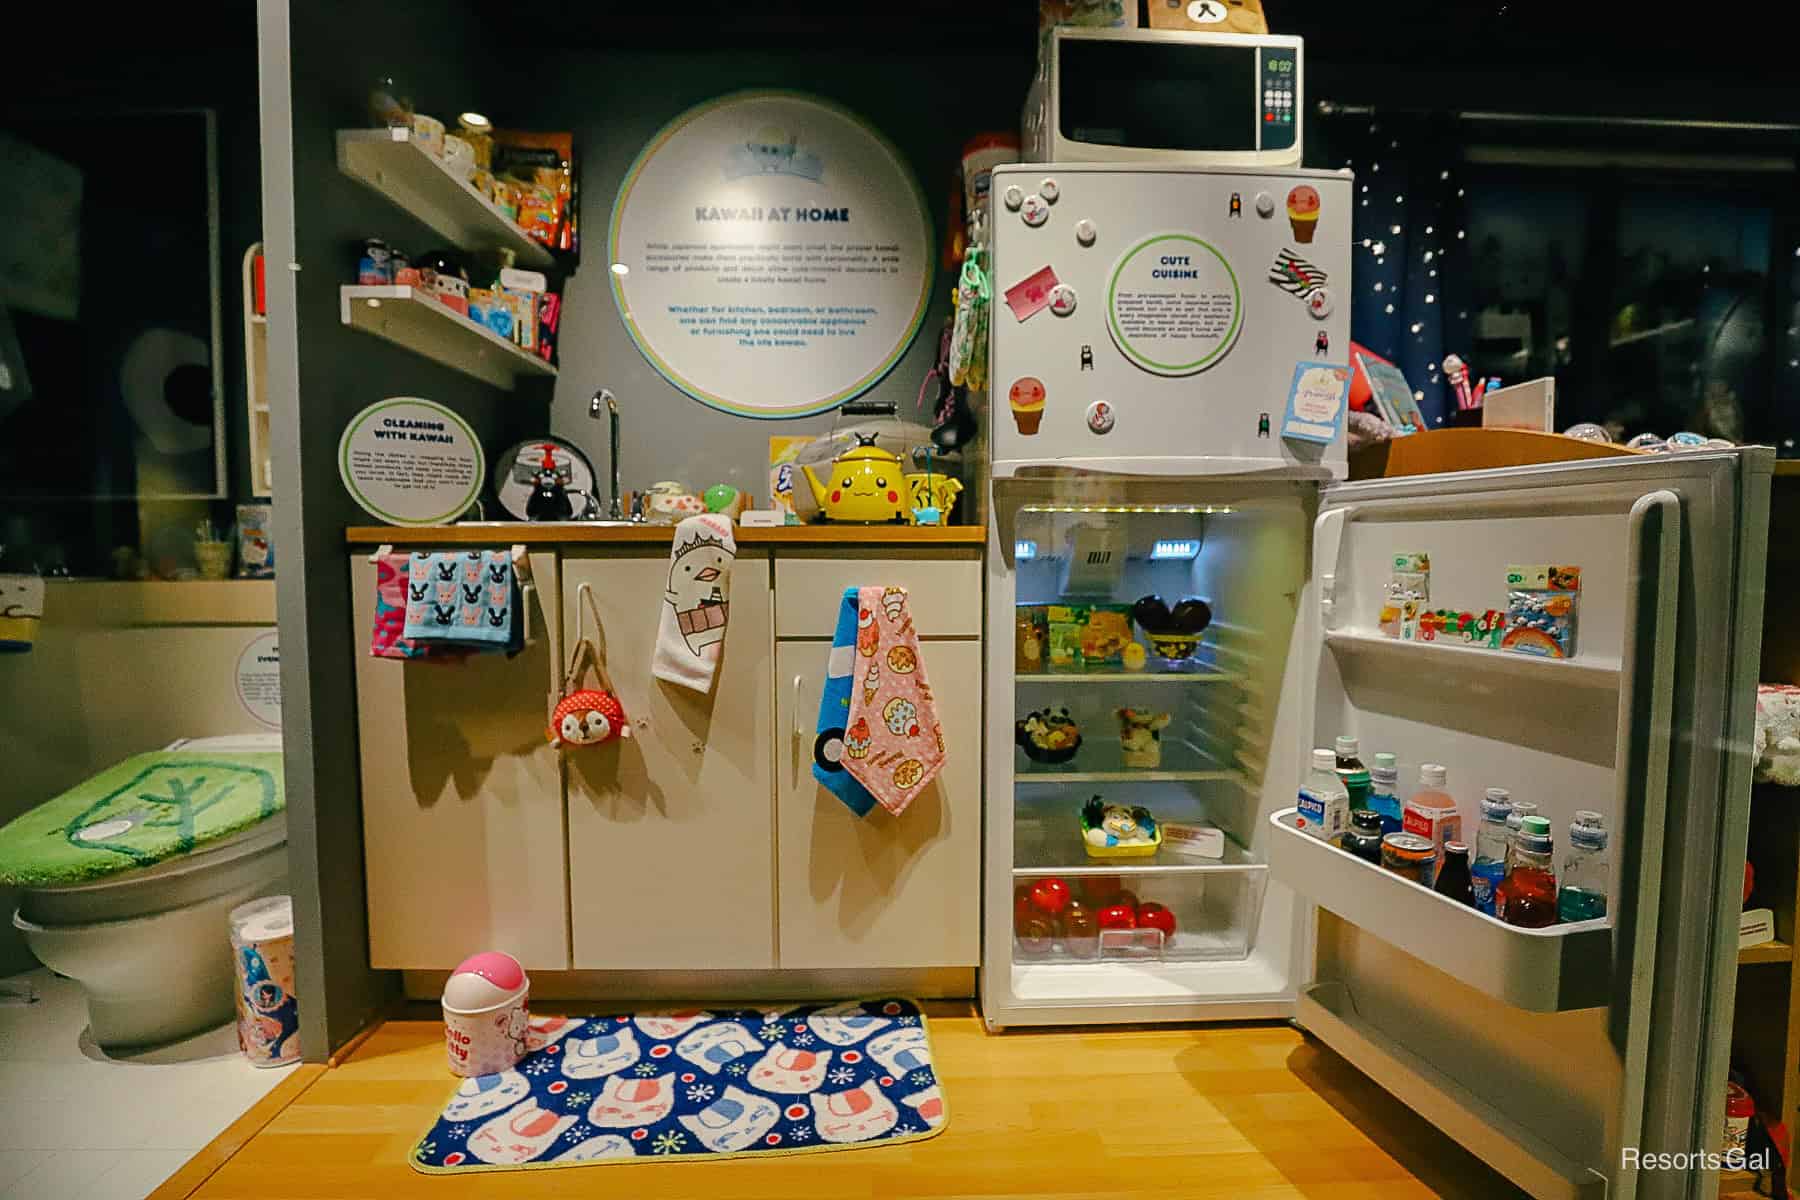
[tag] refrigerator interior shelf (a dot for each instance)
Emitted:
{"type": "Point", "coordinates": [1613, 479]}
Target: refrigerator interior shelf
{"type": "Point", "coordinates": [1041, 851]}
{"type": "Point", "coordinates": [1192, 675]}
{"type": "Point", "coordinates": [1581, 671]}
{"type": "Point", "coordinates": [389, 161]}
{"type": "Point", "coordinates": [410, 318]}
{"type": "Point", "coordinates": [1100, 761]}
{"type": "Point", "coordinates": [1541, 970]}
{"type": "Point", "coordinates": [1328, 1011]}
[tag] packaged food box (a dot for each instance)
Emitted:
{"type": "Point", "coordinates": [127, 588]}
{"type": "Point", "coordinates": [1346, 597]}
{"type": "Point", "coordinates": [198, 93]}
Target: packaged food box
{"type": "Point", "coordinates": [1105, 636]}
{"type": "Point", "coordinates": [1481, 629]}
{"type": "Point", "coordinates": [1540, 610]}
{"type": "Point", "coordinates": [1064, 625]}
{"type": "Point", "coordinates": [1030, 639]}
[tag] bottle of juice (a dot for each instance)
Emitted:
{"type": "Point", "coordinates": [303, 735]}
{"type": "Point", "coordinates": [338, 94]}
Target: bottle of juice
{"type": "Point", "coordinates": [1453, 878]}
{"type": "Point", "coordinates": [1350, 769]}
{"type": "Point", "coordinates": [1324, 810]}
{"type": "Point", "coordinates": [1432, 812]}
{"type": "Point", "coordinates": [1384, 792]}
{"type": "Point", "coordinates": [1489, 867]}
{"type": "Point", "coordinates": [1527, 896]}
{"type": "Point", "coordinates": [1584, 878]}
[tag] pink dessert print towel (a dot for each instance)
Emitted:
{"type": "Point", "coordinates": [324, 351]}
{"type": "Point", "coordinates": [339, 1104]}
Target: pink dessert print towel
{"type": "Point", "coordinates": [893, 744]}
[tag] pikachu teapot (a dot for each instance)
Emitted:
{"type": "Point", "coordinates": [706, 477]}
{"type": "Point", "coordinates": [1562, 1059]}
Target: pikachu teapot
{"type": "Point", "coordinates": [866, 485]}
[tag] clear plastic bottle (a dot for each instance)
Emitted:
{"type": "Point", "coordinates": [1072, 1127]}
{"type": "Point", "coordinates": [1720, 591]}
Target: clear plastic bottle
{"type": "Point", "coordinates": [1432, 813]}
{"type": "Point", "coordinates": [1520, 810]}
{"type": "Point", "coordinates": [1324, 810]}
{"type": "Point", "coordinates": [1351, 770]}
{"type": "Point", "coordinates": [1527, 897]}
{"type": "Point", "coordinates": [1491, 838]}
{"type": "Point", "coordinates": [1384, 792]}
{"type": "Point", "coordinates": [1582, 896]}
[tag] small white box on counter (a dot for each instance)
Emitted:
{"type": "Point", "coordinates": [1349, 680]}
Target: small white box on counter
{"type": "Point", "coordinates": [1755, 926]}
{"type": "Point", "coordinates": [1201, 840]}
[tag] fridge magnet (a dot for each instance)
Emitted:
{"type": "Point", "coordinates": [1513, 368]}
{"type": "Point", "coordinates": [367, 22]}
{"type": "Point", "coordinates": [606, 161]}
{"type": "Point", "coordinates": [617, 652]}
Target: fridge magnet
{"type": "Point", "coordinates": [1031, 295]}
{"type": "Point", "coordinates": [1303, 212]}
{"type": "Point", "coordinates": [1296, 276]}
{"type": "Point", "coordinates": [1316, 403]}
{"type": "Point", "coordinates": [1087, 358]}
{"type": "Point", "coordinates": [1114, 831]}
{"type": "Point", "coordinates": [1262, 425]}
{"type": "Point", "coordinates": [1322, 343]}
{"type": "Point", "coordinates": [1026, 398]}
{"type": "Point", "coordinates": [1237, 205]}
{"type": "Point", "coordinates": [1140, 736]}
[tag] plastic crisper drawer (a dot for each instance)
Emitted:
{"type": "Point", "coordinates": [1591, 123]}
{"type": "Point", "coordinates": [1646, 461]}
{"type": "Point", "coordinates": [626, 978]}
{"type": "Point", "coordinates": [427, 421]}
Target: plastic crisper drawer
{"type": "Point", "coordinates": [1542, 970]}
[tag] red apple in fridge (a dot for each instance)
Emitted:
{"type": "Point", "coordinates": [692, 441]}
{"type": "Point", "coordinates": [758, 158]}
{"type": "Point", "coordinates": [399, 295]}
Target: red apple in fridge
{"type": "Point", "coordinates": [1050, 896]}
{"type": "Point", "coordinates": [1151, 915]}
{"type": "Point", "coordinates": [1078, 921]}
{"type": "Point", "coordinates": [1118, 916]}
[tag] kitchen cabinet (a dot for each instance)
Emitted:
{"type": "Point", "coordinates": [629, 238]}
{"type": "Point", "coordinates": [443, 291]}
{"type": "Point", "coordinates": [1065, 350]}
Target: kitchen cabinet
{"type": "Point", "coordinates": [671, 831]}
{"type": "Point", "coordinates": [462, 797]}
{"type": "Point", "coordinates": [881, 890]}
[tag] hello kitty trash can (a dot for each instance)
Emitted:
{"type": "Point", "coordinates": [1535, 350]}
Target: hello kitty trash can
{"type": "Point", "coordinates": [487, 1002]}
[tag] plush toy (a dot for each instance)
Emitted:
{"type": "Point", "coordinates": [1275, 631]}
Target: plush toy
{"type": "Point", "coordinates": [587, 717]}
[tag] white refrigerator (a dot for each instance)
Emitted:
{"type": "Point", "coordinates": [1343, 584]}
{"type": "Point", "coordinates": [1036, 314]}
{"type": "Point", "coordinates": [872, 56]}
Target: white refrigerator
{"type": "Point", "coordinates": [1549, 1053]}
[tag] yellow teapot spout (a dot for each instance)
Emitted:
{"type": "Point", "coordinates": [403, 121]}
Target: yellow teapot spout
{"type": "Point", "coordinates": [818, 488]}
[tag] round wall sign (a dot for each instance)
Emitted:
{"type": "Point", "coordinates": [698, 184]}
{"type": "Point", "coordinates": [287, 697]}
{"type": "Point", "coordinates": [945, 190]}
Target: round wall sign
{"type": "Point", "coordinates": [411, 462]}
{"type": "Point", "coordinates": [1173, 305]}
{"type": "Point", "coordinates": [771, 254]}
{"type": "Point", "coordinates": [259, 679]}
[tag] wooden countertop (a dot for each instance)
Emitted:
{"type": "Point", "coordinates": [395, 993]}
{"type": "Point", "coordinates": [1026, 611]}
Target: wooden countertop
{"type": "Point", "coordinates": [525, 533]}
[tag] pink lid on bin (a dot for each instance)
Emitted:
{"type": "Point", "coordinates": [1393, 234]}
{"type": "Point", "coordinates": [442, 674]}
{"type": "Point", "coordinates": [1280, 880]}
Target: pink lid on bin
{"type": "Point", "coordinates": [484, 980]}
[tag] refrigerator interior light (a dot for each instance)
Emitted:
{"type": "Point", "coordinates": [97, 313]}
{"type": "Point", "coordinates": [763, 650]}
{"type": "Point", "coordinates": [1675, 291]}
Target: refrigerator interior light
{"type": "Point", "coordinates": [1125, 508]}
{"type": "Point", "coordinates": [1175, 548]}
{"type": "Point", "coordinates": [1024, 548]}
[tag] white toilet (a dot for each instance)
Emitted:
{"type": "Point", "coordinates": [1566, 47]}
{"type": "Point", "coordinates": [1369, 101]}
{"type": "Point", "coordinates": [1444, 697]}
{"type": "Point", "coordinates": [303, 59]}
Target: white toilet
{"type": "Point", "coordinates": [151, 945]}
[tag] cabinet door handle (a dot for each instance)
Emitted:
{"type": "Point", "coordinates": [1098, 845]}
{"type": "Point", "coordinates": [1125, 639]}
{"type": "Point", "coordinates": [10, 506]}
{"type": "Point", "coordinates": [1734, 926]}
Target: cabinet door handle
{"type": "Point", "coordinates": [799, 731]}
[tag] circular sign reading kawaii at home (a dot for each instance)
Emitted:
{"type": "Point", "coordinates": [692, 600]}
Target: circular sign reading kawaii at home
{"type": "Point", "coordinates": [1173, 306]}
{"type": "Point", "coordinates": [411, 462]}
{"type": "Point", "coordinates": [771, 254]}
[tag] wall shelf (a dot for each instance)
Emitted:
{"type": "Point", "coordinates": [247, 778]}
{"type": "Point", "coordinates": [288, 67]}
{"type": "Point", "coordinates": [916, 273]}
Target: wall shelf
{"type": "Point", "coordinates": [1768, 952]}
{"type": "Point", "coordinates": [1584, 671]}
{"type": "Point", "coordinates": [408, 318]}
{"type": "Point", "coordinates": [389, 161]}
{"type": "Point", "coordinates": [1555, 969]}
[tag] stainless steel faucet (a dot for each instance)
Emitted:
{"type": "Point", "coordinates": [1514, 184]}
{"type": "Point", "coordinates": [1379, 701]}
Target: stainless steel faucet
{"type": "Point", "coordinates": [615, 510]}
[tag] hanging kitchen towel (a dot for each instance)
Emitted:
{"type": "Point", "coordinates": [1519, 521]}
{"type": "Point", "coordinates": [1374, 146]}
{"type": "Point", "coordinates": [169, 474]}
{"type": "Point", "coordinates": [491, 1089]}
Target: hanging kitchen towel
{"type": "Point", "coordinates": [460, 599]}
{"type": "Point", "coordinates": [696, 602]}
{"type": "Point", "coordinates": [834, 713]}
{"type": "Point", "coordinates": [894, 744]}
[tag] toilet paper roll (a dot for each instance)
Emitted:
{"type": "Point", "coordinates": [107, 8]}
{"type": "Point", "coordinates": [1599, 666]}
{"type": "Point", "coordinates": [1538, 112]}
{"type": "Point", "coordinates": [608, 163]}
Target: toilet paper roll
{"type": "Point", "coordinates": [262, 941]}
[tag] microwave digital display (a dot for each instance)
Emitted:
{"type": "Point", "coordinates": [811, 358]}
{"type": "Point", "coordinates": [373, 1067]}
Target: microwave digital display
{"type": "Point", "coordinates": [1175, 96]}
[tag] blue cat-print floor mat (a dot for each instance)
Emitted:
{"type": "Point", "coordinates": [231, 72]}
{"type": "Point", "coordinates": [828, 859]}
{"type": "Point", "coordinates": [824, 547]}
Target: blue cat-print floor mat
{"type": "Point", "coordinates": [698, 1084]}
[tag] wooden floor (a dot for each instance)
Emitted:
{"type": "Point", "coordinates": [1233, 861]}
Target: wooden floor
{"type": "Point", "coordinates": [1247, 1112]}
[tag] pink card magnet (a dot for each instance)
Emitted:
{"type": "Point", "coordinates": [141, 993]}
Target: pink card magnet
{"type": "Point", "coordinates": [1031, 295]}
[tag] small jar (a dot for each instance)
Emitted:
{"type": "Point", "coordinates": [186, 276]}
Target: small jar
{"type": "Point", "coordinates": [1409, 856]}
{"type": "Point", "coordinates": [1364, 836]}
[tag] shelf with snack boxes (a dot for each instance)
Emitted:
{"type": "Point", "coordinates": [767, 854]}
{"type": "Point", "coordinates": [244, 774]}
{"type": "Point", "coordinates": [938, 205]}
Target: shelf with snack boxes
{"type": "Point", "coordinates": [414, 318]}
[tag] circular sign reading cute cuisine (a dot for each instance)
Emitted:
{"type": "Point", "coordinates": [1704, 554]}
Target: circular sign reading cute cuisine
{"type": "Point", "coordinates": [1173, 305]}
{"type": "Point", "coordinates": [411, 462]}
{"type": "Point", "coordinates": [259, 679]}
{"type": "Point", "coordinates": [771, 254]}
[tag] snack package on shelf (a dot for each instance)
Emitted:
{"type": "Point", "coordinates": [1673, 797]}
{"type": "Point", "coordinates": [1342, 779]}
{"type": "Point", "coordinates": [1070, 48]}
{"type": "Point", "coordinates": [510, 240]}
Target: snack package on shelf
{"type": "Point", "coordinates": [538, 171]}
{"type": "Point", "coordinates": [1030, 637]}
{"type": "Point", "coordinates": [1404, 595]}
{"type": "Point", "coordinates": [1105, 636]}
{"type": "Point", "coordinates": [1540, 610]}
{"type": "Point", "coordinates": [1066, 623]}
{"type": "Point", "coordinates": [1452, 625]}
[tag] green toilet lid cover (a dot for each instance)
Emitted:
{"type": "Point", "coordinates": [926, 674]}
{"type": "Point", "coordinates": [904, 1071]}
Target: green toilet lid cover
{"type": "Point", "coordinates": [146, 810]}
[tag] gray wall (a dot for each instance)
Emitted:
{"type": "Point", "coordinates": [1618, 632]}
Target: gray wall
{"type": "Point", "coordinates": [318, 59]}
{"type": "Point", "coordinates": [927, 105]}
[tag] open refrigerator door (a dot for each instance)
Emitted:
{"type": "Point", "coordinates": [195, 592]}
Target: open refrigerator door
{"type": "Point", "coordinates": [1550, 1052]}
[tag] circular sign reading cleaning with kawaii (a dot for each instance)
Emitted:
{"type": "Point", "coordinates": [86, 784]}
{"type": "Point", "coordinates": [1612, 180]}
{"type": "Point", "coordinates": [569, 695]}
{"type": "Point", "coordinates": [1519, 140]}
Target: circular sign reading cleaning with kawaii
{"type": "Point", "coordinates": [771, 254]}
{"type": "Point", "coordinates": [411, 462]}
{"type": "Point", "coordinates": [1173, 306]}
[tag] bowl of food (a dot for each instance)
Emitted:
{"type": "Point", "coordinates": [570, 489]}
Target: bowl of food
{"type": "Point", "coordinates": [1048, 735]}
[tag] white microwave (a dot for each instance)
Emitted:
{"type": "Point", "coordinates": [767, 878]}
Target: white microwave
{"type": "Point", "coordinates": [1166, 96]}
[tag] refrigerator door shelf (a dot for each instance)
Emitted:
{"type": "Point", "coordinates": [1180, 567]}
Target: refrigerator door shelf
{"type": "Point", "coordinates": [1543, 970]}
{"type": "Point", "coordinates": [1452, 662]}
